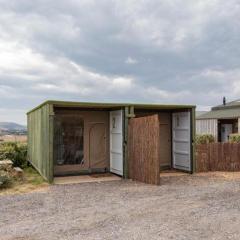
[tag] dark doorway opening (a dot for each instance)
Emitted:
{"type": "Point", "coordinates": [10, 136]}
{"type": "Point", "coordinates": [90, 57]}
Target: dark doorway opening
{"type": "Point", "coordinates": [226, 127]}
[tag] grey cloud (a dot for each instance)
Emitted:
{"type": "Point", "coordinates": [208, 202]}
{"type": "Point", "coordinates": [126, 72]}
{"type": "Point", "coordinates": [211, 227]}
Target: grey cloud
{"type": "Point", "coordinates": [179, 47]}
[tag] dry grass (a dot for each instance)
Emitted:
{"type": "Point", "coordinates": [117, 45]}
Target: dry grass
{"type": "Point", "coordinates": [224, 175]}
{"type": "Point", "coordinates": [13, 138]}
{"type": "Point", "coordinates": [32, 181]}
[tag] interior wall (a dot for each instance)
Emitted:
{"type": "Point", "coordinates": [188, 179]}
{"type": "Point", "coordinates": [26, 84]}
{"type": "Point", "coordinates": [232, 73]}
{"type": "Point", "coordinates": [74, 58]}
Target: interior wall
{"type": "Point", "coordinates": [165, 140]}
{"type": "Point", "coordinates": [96, 141]}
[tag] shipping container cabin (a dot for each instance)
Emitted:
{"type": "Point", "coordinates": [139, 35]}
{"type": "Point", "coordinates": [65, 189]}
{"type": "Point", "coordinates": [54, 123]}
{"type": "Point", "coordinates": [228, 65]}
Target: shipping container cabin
{"type": "Point", "coordinates": [72, 138]}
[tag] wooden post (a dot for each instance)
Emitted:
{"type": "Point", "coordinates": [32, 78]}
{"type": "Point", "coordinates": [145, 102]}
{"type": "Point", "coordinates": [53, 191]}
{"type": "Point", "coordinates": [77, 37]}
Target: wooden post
{"type": "Point", "coordinates": [125, 143]}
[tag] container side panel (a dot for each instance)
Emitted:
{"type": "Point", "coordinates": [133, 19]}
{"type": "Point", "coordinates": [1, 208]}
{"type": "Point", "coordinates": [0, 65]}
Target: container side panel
{"type": "Point", "coordinates": [193, 130]}
{"type": "Point", "coordinates": [38, 140]}
{"type": "Point", "coordinates": [238, 125]}
{"type": "Point", "coordinates": [50, 136]}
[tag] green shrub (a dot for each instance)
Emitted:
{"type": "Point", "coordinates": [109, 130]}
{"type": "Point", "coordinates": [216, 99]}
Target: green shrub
{"type": "Point", "coordinates": [234, 138]}
{"type": "Point", "coordinates": [5, 180]}
{"type": "Point", "coordinates": [16, 152]}
{"type": "Point", "coordinates": [204, 138]}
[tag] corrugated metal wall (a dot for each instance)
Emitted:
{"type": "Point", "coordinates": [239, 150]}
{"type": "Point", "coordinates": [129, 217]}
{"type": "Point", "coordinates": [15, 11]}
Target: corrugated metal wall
{"type": "Point", "coordinates": [208, 126]}
{"type": "Point", "coordinates": [238, 125]}
{"type": "Point", "coordinates": [40, 130]}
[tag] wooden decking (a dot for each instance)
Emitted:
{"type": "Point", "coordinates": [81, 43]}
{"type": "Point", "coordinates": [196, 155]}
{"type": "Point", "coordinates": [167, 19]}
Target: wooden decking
{"type": "Point", "coordinates": [86, 178]}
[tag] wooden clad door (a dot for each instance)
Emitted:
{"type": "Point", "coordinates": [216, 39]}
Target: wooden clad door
{"type": "Point", "coordinates": [143, 149]}
{"type": "Point", "coordinates": [98, 146]}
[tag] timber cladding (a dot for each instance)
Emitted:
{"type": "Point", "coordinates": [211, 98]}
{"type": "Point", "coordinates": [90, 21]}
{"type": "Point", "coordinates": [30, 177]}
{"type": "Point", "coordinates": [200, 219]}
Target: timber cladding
{"type": "Point", "coordinates": [218, 157]}
{"type": "Point", "coordinates": [143, 149]}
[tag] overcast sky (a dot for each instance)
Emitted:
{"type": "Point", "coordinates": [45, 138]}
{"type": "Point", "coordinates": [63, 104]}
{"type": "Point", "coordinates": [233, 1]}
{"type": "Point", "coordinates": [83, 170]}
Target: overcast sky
{"type": "Point", "coordinates": [168, 51]}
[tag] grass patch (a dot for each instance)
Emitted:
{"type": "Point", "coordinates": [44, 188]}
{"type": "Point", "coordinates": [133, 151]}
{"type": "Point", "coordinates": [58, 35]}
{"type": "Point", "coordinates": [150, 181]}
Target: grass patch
{"type": "Point", "coordinates": [33, 177]}
{"type": "Point", "coordinates": [31, 181]}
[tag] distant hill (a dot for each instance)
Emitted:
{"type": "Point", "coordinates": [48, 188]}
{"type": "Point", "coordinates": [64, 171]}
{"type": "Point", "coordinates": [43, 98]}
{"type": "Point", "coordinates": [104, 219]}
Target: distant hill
{"type": "Point", "coordinates": [11, 126]}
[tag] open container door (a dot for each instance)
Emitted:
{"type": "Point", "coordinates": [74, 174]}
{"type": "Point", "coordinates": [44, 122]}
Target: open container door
{"type": "Point", "coordinates": [143, 149]}
{"type": "Point", "coordinates": [181, 140]}
{"type": "Point", "coordinates": [116, 142]}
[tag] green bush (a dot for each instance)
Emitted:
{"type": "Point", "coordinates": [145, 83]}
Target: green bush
{"type": "Point", "coordinates": [5, 180]}
{"type": "Point", "coordinates": [204, 138]}
{"type": "Point", "coordinates": [234, 138]}
{"type": "Point", "coordinates": [16, 152]}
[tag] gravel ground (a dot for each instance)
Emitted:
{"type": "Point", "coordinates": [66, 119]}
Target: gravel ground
{"type": "Point", "coordinates": [201, 206]}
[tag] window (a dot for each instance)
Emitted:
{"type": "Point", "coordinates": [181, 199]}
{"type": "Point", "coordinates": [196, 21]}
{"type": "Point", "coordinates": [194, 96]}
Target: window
{"type": "Point", "coordinates": [69, 139]}
{"type": "Point", "coordinates": [113, 122]}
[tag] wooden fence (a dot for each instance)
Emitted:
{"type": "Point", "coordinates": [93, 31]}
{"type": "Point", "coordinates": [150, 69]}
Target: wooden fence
{"type": "Point", "coordinates": [218, 157]}
{"type": "Point", "coordinates": [143, 149]}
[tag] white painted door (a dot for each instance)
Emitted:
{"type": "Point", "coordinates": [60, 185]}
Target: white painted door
{"type": "Point", "coordinates": [226, 130]}
{"type": "Point", "coordinates": [116, 142]}
{"type": "Point", "coordinates": [181, 140]}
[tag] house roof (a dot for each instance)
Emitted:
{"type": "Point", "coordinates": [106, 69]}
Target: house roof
{"type": "Point", "coordinates": [227, 111]}
{"type": "Point", "coordinates": [199, 113]}
{"type": "Point", "coordinates": [232, 104]}
{"type": "Point", "coordinates": [111, 105]}
{"type": "Point", "coordinates": [221, 114]}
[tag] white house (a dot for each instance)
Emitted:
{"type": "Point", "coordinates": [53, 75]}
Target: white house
{"type": "Point", "coordinates": [221, 121]}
